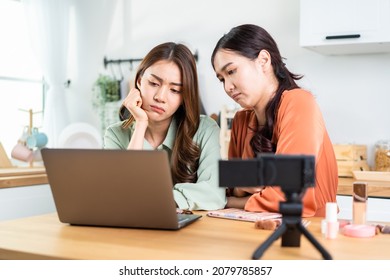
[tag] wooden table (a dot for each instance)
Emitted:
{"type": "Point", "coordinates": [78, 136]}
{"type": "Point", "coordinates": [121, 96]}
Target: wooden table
{"type": "Point", "coordinates": [44, 237]}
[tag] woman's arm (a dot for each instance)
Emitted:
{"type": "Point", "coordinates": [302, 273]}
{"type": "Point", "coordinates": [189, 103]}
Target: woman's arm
{"type": "Point", "coordinates": [133, 103]}
{"type": "Point", "coordinates": [237, 149]}
{"type": "Point", "coordinates": [299, 130]}
{"type": "Point", "coordinates": [236, 202]}
{"type": "Point", "coordinates": [137, 139]}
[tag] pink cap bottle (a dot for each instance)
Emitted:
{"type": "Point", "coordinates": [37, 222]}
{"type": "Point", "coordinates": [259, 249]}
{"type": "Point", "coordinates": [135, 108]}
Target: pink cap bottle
{"type": "Point", "coordinates": [332, 225]}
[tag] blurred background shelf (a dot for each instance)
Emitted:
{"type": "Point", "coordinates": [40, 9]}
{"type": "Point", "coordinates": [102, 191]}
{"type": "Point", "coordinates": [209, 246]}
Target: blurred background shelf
{"type": "Point", "coordinates": [22, 176]}
{"type": "Point", "coordinates": [377, 176]}
{"type": "Point", "coordinates": [380, 189]}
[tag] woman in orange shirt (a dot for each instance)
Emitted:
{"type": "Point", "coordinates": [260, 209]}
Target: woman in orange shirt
{"type": "Point", "coordinates": [278, 117]}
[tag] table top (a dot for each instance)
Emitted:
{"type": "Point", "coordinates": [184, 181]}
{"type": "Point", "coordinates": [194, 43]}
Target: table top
{"type": "Point", "coordinates": [45, 237]}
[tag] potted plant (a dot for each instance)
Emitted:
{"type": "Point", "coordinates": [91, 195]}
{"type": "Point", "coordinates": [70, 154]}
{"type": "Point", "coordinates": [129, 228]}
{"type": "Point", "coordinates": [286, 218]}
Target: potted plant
{"type": "Point", "coordinates": [105, 96]}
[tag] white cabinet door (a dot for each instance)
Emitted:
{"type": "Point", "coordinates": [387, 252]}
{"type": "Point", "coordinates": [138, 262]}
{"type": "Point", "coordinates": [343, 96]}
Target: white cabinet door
{"type": "Point", "coordinates": [345, 26]}
{"type": "Point", "coordinates": [377, 208]}
{"type": "Point", "coordinates": [25, 201]}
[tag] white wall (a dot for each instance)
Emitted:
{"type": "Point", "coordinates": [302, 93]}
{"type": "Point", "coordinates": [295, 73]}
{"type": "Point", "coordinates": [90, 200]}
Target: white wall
{"type": "Point", "coordinates": [25, 201]}
{"type": "Point", "coordinates": [90, 22]}
{"type": "Point", "coordinates": [377, 209]}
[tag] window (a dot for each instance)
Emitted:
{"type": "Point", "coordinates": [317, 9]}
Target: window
{"type": "Point", "coordinates": [21, 81]}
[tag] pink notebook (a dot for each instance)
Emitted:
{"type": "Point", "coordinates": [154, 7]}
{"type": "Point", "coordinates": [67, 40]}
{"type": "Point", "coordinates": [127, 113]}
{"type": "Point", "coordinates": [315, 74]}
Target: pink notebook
{"type": "Point", "coordinates": [242, 215]}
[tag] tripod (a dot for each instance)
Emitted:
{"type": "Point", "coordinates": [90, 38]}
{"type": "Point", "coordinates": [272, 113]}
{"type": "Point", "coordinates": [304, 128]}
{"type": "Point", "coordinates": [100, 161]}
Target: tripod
{"type": "Point", "coordinates": [290, 229]}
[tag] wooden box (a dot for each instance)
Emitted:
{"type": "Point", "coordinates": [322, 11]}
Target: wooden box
{"type": "Point", "coordinates": [4, 160]}
{"type": "Point", "coordinates": [350, 158]}
{"type": "Point", "coordinates": [350, 152]}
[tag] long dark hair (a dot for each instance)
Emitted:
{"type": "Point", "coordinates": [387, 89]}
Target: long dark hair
{"type": "Point", "coordinates": [185, 153]}
{"type": "Point", "coordinates": [248, 40]}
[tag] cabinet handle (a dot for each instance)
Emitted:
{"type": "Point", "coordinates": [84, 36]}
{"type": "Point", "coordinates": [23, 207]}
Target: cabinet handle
{"type": "Point", "coordinates": [348, 36]}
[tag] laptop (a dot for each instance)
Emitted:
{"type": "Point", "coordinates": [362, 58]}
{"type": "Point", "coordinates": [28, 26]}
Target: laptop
{"type": "Point", "coordinates": [113, 188]}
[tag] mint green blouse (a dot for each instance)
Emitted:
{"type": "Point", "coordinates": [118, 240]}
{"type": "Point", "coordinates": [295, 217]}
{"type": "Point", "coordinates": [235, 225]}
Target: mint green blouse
{"type": "Point", "coordinates": [205, 194]}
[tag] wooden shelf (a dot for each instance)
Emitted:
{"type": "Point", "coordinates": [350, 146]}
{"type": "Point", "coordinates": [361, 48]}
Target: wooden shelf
{"type": "Point", "coordinates": [375, 188]}
{"type": "Point", "coordinates": [377, 176]}
{"type": "Point", "coordinates": [22, 176]}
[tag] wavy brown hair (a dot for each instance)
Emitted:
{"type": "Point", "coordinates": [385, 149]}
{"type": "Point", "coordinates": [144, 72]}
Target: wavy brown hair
{"type": "Point", "coordinates": [248, 40]}
{"type": "Point", "coordinates": [185, 153]}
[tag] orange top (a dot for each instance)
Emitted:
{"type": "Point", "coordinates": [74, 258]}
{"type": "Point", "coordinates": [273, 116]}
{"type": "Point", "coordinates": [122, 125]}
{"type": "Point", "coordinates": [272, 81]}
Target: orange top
{"type": "Point", "coordinates": [299, 129]}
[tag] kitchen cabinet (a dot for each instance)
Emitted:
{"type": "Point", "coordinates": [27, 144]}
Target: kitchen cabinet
{"type": "Point", "coordinates": [377, 208]}
{"type": "Point", "coordinates": [335, 27]}
{"type": "Point", "coordinates": [26, 201]}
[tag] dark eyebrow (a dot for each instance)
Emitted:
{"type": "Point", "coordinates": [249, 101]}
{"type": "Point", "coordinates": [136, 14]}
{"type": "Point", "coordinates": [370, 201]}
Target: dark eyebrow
{"type": "Point", "coordinates": [161, 80]}
{"type": "Point", "coordinates": [224, 67]}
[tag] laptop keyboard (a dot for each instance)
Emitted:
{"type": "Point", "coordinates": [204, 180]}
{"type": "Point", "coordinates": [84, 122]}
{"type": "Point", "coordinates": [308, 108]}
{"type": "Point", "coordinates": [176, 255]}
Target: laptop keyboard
{"type": "Point", "coordinates": [182, 217]}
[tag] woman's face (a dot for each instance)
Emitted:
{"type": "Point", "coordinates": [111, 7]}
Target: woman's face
{"type": "Point", "coordinates": [161, 90]}
{"type": "Point", "coordinates": [242, 78]}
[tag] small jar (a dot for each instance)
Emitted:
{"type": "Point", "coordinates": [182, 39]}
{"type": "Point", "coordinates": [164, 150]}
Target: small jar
{"type": "Point", "coordinates": [382, 155]}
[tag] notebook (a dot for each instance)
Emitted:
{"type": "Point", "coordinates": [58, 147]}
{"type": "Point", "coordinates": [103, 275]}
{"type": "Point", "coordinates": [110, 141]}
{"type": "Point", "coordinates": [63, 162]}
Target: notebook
{"type": "Point", "coordinates": [242, 215]}
{"type": "Point", "coordinates": [113, 188]}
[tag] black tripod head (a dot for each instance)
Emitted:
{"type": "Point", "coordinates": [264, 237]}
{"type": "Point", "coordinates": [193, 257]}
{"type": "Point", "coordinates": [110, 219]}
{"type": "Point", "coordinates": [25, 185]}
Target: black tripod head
{"type": "Point", "coordinates": [293, 173]}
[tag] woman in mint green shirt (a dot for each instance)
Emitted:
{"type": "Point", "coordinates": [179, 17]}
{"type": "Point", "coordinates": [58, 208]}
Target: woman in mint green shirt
{"type": "Point", "coordinates": [162, 111]}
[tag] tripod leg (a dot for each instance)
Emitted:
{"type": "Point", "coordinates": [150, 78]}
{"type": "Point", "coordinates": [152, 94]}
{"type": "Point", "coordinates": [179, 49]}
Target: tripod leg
{"type": "Point", "coordinates": [264, 246]}
{"type": "Point", "coordinates": [313, 241]}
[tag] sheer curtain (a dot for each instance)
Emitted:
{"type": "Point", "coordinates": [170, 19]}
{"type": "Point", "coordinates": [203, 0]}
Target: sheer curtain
{"type": "Point", "coordinates": [91, 22]}
{"type": "Point", "coordinates": [49, 27]}
{"type": "Point", "coordinates": [51, 22]}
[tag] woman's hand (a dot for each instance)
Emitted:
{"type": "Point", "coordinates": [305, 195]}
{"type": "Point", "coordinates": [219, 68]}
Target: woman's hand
{"type": "Point", "coordinates": [133, 103]}
{"type": "Point", "coordinates": [236, 202]}
{"type": "Point", "coordinates": [241, 191]}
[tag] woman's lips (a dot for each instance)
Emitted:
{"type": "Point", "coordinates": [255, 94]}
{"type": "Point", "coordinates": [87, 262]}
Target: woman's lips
{"type": "Point", "coordinates": [236, 96]}
{"type": "Point", "coordinates": [157, 109]}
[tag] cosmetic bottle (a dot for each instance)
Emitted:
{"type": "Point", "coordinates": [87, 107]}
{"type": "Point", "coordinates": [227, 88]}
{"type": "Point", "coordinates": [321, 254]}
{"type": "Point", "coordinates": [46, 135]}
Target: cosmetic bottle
{"type": "Point", "coordinates": [359, 200]}
{"type": "Point", "coordinates": [332, 225]}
